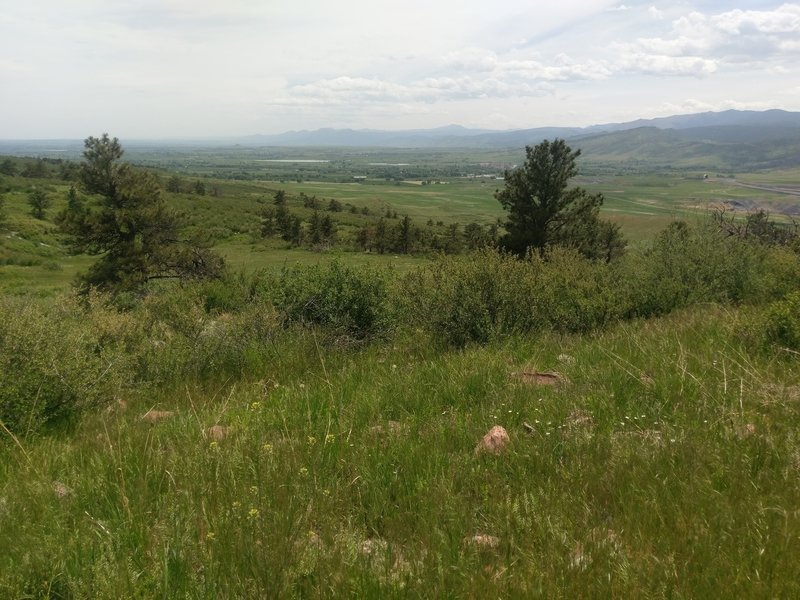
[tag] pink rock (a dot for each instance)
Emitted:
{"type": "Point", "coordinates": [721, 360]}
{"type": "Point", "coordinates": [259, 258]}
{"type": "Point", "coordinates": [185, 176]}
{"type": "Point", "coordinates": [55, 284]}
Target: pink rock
{"type": "Point", "coordinates": [494, 442]}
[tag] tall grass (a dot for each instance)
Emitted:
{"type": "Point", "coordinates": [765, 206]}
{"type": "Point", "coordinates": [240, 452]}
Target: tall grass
{"type": "Point", "coordinates": [665, 465]}
{"type": "Point", "coordinates": [313, 433]}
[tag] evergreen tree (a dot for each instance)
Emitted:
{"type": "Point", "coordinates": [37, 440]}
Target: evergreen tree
{"type": "Point", "coordinates": [7, 167]}
{"type": "Point", "coordinates": [315, 229]}
{"type": "Point", "coordinates": [135, 235]}
{"type": "Point", "coordinates": [73, 219]}
{"type": "Point", "coordinates": [39, 202]}
{"type": "Point", "coordinates": [268, 223]}
{"type": "Point", "coordinates": [543, 211]}
{"type": "Point", "coordinates": [174, 184]}
{"type": "Point", "coordinates": [404, 235]}
{"type": "Point", "coordinates": [381, 237]}
{"type": "Point", "coordinates": [327, 229]}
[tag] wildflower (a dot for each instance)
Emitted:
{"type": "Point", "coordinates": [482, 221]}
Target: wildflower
{"type": "Point", "coordinates": [252, 513]}
{"type": "Point", "coordinates": [303, 471]}
{"type": "Point", "coordinates": [236, 505]}
{"type": "Point", "coordinates": [329, 438]}
{"type": "Point", "coordinates": [312, 440]}
{"type": "Point", "coordinates": [210, 536]}
{"type": "Point", "coordinates": [253, 489]}
{"type": "Point", "coordinates": [302, 386]}
{"type": "Point", "coordinates": [267, 448]}
{"type": "Point", "coordinates": [326, 493]}
{"type": "Point", "coordinates": [213, 445]}
{"type": "Point", "coordinates": [255, 406]}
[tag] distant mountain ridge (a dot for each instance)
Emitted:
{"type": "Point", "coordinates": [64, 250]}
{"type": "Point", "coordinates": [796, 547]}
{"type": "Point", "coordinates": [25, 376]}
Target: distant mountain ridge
{"type": "Point", "coordinates": [730, 126]}
{"type": "Point", "coordinates": [730, 140]}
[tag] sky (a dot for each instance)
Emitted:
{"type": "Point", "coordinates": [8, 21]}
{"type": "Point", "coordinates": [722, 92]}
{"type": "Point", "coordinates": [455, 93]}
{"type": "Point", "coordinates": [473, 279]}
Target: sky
{"type": "Point", "coordinates": [202, 68]}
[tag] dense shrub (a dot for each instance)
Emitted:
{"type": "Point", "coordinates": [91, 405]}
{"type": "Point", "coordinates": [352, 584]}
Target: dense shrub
{"type": "Point", "coordinates": [783, 322]}
{"type": "Point", "coordinates": [471, 298]}
{"type": "Point", "coordinates": [57, 359]}
{"type": "Point", "coordinates": [687, 265]}
{"type": "Point", "coordinates": [350, 300]}
{"type": "Point", "coordinates": [52, 364]}
{"type": "Point", "coordinates": [477, 297]}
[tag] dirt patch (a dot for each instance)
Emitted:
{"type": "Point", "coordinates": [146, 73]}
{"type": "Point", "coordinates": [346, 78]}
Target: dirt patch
{"type": "Point", "coordinates": [391, 428]}
{"type": "Point", "coordinates": [540, 377]}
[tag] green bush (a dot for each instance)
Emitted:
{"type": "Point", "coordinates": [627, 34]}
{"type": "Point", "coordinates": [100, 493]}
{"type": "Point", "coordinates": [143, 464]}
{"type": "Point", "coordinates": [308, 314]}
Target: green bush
{"type": "Point", "coordinates": [478, 297]}
{"type": "Point", "coordinates": [782, 322]}
{"type": "Point", "coordinates": [52, 364]}
{"type": "Point", "coordinates": [687, 265]}
{"type": "Point", "coordinates": [352, 301]}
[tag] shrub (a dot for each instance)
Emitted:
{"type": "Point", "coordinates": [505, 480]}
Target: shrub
{"type": "Point", "coordinates": [687, 265]}
{"type": "Point", "coordinates": [52, 365]}
{"type": "Point", "coordinates": [477, 297]}
{"type": "Point", "coordinates": [782, 322]}
{"type": "Point", "coordinates": [350, 300]}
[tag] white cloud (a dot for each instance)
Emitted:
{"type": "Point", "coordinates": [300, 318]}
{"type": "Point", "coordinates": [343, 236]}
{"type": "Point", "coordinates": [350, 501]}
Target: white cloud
{"type": "Point", "coordinates": [162, 67]}
{"type": "Point", "coordinates": [659, 64]}
{"type": "Point", "coordinates": [736, 34]}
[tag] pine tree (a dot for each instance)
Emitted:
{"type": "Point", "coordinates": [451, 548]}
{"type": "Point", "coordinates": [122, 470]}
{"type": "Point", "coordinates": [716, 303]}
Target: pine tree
{"type": "Point", "coordinates": [136, 236]}
{"type": "Point", "coordinates": [543, 211]}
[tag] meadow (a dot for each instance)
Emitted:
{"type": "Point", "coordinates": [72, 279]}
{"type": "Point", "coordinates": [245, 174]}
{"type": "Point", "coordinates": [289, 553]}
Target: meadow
{"type": "Point", "coordinates": [312, 425]}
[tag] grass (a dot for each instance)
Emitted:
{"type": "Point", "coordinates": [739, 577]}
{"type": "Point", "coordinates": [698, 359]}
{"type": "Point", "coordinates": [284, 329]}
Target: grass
{"type": "Point", "coordinates": [247, 257]}
{"type": "Point", "coordinates": [665, 466]}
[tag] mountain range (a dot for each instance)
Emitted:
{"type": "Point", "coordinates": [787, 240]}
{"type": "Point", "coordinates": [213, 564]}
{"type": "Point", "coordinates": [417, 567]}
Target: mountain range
{"type": "Point", "coordinates": [727, 139]}
{"type": "Point", "coordinates": [725, 126]}
{"type": "Point", "coordinates": [731, 139]}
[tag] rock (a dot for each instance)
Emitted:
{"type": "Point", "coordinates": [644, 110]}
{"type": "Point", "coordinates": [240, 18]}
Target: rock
{"type": "Point", "coordinates": [217, 432]}
{"type": "Point", "coordinates": [61, 490]}
{"type": "Point", "coordinates": [154, 416]}
{"type": "Point", "coordinates": [484, 541]}
{"type": "Point", "coordinates": [494, 442]}
{"type": "Point", "coordinates": [566, 359]}
{"type": "Point", "coordinates": [539, 377]}
{"type": "Point", "coordinates": [392, 427]}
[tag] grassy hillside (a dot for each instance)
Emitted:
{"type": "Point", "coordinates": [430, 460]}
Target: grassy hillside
{"type": "Point", "coordinates": [316, 431]}
{"type": "Point", "coordinates": [664, 464]}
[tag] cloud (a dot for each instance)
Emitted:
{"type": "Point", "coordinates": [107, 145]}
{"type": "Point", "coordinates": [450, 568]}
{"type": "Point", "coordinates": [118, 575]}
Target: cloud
{"type": "Point", "coordinates": [359, 91]}
{"type": "Point", "coordinates": [560, 68]}
{"type": "Point", "coordinates": [735, 36]}
{"type": "Point", "coordinates": [660, 64]}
